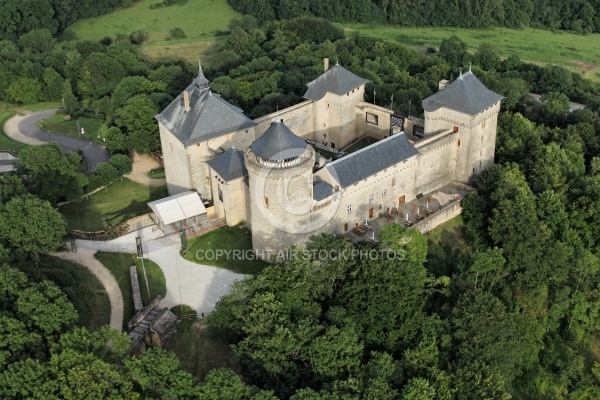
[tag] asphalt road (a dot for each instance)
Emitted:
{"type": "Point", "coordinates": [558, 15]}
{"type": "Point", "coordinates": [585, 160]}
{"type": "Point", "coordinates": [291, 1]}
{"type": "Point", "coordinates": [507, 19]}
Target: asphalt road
{"type": "Point", "coordinates": [93, 153]}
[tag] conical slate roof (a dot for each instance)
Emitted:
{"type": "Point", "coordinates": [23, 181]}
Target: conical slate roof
{"type": "Point", "coordinates": [336, 80]}
{"type": "Point", "coordinates": [200, 81]}
{"type": "Point", "coordinates": [229, 165]}
{"type": "Point", "coordinates": [466, 94]}
{"type": "Point", "coordinates": [278, 143]}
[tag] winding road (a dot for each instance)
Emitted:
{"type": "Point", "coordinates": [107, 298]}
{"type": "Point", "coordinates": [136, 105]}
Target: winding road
{"type": "Point", "coordinates": [93, 153]}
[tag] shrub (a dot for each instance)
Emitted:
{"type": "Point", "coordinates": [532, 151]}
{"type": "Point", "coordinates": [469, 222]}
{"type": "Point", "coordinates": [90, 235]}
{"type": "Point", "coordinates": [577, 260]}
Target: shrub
{"type": "Point", "coordinates": [178, 33]}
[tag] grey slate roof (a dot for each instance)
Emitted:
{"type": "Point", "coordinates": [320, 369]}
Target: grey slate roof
{"type": "Point", "coordinates": [209, 117]}
{"type": "Point", "coordinates": [201, 81]}
{"type": "Point", "coordinates": [229, 165]}
{"type": "Point", "coordinates": [278, 143]}
{"type": "Point", "coordinates": [336, 79]}
{"type": "Point", "coordinates": [371, 159]}
{"type": "Point", "coordinates": [466, 94]}
{"type": "Point", "coordinates": [322, 190]}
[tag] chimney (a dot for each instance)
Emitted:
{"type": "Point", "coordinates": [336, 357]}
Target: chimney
{"type": "Point", "coordinates": [325, 64]}
{"type": "Point", "coordinates": [186, 100]}
{"type": "Point", "coordinates": [443, 83]}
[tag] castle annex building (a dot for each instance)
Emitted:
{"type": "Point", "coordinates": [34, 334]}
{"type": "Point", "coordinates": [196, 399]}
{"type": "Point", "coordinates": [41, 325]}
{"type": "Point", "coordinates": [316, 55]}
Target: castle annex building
{"type": "Point", "coordinates": [281, 175]}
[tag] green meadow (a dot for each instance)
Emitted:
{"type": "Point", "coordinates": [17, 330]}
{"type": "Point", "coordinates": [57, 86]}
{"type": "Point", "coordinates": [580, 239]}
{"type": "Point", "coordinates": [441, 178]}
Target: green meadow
{"type": "Point", "coordinates": [199, 19]}
{"type": "Point", "coordinates": [578, 53]}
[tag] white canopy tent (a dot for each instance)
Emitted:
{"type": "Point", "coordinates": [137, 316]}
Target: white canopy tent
{"type": "Point", "coordinates": [177, 208]}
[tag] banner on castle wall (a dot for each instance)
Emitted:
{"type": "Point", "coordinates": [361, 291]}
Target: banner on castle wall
{"type": "Point", "coordinates": [396, 124]}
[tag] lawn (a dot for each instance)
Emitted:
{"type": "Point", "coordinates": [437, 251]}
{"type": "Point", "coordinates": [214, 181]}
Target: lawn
{"type": "Point", "coordinates": [118, 264]}
{"type": "Point", "coordinates": [158, 173]}
{"type": "Point", "coordinates": [225, 238]}
{"type": "Point", "coordinates": [578, 53]}
{"type": "Point", "coordinates": [81, 287]}
{"type": "Point", "coordinates": [156, 280]}
{"type": "Point", "coordinates": [122, 200]}
{"type": "Point", "coordinates": [94, 129]}
{"type": "Point", "coordinates": [362, 143]}
{"type": "Point", "coordinates": [7, 143]}
{"type": "Point", "coordinates": [200, 20]}
{"type": "Point", "coordinates": [451, 230]}
{"type": "Point", "coordinates": [198, 351]}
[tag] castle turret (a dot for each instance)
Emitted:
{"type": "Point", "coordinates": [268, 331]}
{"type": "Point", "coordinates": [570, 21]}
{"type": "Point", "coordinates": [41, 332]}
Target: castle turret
{"type": "Point", "coordinates": [469, 111]}
{"type": "Point", "coordinates": [280, 168]}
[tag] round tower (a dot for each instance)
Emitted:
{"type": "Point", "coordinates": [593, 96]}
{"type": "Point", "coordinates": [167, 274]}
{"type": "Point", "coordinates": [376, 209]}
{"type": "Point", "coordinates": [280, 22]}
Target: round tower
{"type": "Point", "coordinates": [280, 169]}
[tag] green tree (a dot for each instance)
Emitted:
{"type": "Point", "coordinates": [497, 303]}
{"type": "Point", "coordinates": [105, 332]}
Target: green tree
{"type": "Point", "coordinates": [487, 56]}
{"type": "Point", "coordinates": [38, 41]}
{"type": "Point", "coordinates": [10, 186]}
{"type": "Point", "coordinates": [418, 389]}
{"type": "Point", "coordinates": [454, 51]}
{"type": "Point", "coordinates": [100, 74]}
{"type": "Point", "coordinates": [24, 90]}
{"type": "Point", "coordinates": [104, 175]}
{"type": "Point", "coordinates": [50, 174]}
{"type": "Point", "coordinates": [46, 308]}
{"type": "Point", "coordinates": [136, 118]}
{"type": "Point", "coordinates": [117, 141]}
{"type": "Point", "coordinates": [122, 163]}
{"type": "Point", "coordinates": [29, 225]}
{"type": "Point", "coordinates": [69, 99]}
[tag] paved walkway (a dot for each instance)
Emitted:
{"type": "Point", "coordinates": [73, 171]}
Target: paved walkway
{"type": "Point", "coordinates": [24, 129]}
{"type": "Point", "coordinates": [199, 286]}
{"type": "Point", "coordinates": [86, 258]}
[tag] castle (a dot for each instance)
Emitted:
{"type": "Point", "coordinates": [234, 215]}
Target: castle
{"type": "Point", "coordinates": [270, 172]}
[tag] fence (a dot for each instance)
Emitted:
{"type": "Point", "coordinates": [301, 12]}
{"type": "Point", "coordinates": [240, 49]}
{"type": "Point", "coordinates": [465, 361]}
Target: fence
{"type": "Point", "coordinates": [202, 229]}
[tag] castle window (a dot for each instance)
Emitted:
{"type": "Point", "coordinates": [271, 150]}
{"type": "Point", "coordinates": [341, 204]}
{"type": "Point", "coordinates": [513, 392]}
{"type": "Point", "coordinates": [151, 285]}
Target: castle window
{"type": "Point", "coordinates": [393, 181]}
{"type": "Point", "coordinates": [349, 208]}
{"type": "Point", "coordinates": [383, 192]}
{"type": "Point", "coordinates": [371, 198]}
{"type": "Point", "coordinates": [483, 125]}
{"type": "Point", "coordinates": [455, 129]}
{"type": "Point", "coordinates": [220, 193]}
{"type": "Point", "coordinates": [266, 201]}
{"type": "Point", "coordinates": [458, 142]}
{"type": "Point", "coordinates": [380, 207]}
{"type": "Point", "coordinates": [372, 118]}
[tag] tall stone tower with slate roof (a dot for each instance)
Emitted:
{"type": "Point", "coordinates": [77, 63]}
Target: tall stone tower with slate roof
{"type": "Point", "coordinates": [280, 167]}
{"type": "Point", "coordinates": [194, 128]}
{"type": "Point", "coordinates": [334, 95]}
{"type": "Point", "coordinates": [470, 110]}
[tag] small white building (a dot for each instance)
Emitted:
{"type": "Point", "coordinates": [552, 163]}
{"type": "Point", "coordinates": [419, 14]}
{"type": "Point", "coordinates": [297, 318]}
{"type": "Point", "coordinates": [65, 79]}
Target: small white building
{"type": "Point", "coordinates": [179, 211]}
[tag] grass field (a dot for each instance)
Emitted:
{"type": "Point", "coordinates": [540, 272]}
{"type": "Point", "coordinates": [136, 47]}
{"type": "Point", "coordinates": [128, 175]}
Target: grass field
{"type": "Point", "coordinates": [120, 201]}
{"type": "Point", "coordinates": [118, 264]}
{"type": "Point", "coordinates": [450, 229]}
{"type": "Point", "coordinates": [578, 53]}
{"type": "Point", "coordinates": [225, 238]}
{"type": "Point", "coordinates": [200, 20]}
{"type": "Point", "coordinates": [94, 129]}
{"type": "Point", "coordinates": [81, 287]}
{"type": "Point", "coordinates": [156, 280]}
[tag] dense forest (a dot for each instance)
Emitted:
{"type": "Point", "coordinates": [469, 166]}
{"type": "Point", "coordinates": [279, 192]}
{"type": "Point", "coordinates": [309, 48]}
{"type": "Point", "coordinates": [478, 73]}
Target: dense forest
{"type": "Point", "coordinates": [578, 15]}
{"type": "Point", "coordinates": [506, 307]}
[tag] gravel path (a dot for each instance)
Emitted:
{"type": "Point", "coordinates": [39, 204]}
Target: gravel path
{"type": "Point", "coordinates": [142, 164]}
{"type": "Point", "coordinates": [199, 286]}
{"type": "Point", "coordinates": [86, 258]}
